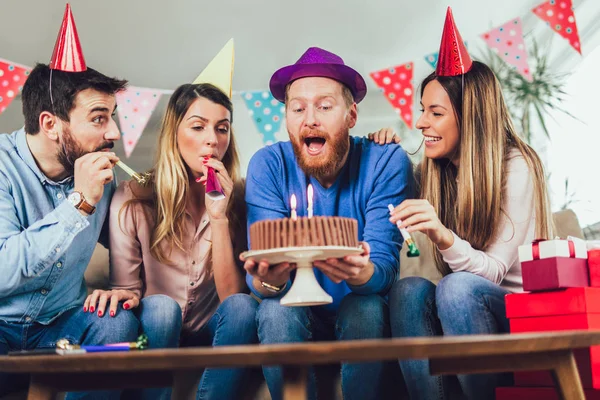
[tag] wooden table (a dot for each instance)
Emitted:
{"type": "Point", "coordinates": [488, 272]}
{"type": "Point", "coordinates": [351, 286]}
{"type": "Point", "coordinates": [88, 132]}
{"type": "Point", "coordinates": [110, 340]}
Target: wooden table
{"type": "Point", "coordinates": [182, 368]}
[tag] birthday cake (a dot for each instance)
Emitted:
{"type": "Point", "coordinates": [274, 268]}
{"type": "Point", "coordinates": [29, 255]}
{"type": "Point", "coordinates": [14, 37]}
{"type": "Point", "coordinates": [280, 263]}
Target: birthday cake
{"type": "Point", "coordinates": [304, 232]}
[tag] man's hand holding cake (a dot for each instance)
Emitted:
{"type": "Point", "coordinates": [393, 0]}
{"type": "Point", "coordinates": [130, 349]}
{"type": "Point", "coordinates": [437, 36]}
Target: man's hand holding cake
{"type": "Point", "coordinates": [355, 270]}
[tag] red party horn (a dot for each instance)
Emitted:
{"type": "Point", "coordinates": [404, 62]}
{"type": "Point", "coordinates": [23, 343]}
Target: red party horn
{"type": "Point", "coordinates": [214, 191]}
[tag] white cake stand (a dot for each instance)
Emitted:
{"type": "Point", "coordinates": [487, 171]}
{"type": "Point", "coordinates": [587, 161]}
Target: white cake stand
{"type": "Point", "coordinates": [305, 290]}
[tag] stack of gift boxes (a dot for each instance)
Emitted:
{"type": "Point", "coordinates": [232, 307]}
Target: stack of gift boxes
{"type": "Point", "coordinates": [561, 280]}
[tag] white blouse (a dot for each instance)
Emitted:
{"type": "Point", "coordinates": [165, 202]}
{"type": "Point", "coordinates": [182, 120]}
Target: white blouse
{"type": "Point", "coordinates": [499, 263]}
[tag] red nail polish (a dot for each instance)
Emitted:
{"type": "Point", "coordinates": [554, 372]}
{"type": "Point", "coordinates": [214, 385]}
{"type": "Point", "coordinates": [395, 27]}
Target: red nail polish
{"type": "Point", "coordinates": [112, 313]}
{"type": "Point", "coordinates": [84, 309]}
{"type": "Point", "coordinates": [126, 306]}
{"type": "Point", "coordinates": [204, 161]}
{"type": "Point", "coordinates": [100, 313]}
{"type": "Point", "coordinates": [198, 179]}
{"type": "Point", "coordinates": [92, 309]}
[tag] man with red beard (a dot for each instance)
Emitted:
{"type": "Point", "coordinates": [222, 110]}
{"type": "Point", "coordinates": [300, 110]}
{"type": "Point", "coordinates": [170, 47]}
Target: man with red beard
{"type": "Point", "coordinates": [352, 177]}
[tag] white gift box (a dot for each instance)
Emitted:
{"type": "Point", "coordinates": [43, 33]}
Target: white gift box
{"type": "Point", "coordinates": [553, 248]}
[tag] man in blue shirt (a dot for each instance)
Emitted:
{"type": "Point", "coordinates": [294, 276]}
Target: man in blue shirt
{"type": "Point", "coordinates": [352, 177]}
{"type": "Point", "coordinates": [56, 182]}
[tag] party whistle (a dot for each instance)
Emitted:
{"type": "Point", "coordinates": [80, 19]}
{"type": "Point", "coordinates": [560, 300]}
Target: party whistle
{"type": "Point", "coordinates": [140, 344]}
{"type": "Point", "coordinates": [142, 179]}
{"type": "Point", "coordinates": [412, 247]}
{"type": "Point", "coordinates": [214, 191]}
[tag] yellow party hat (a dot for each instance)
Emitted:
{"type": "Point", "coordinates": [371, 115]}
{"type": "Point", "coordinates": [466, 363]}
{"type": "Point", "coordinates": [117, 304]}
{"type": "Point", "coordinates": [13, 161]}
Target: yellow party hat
{"type": "Point", "coordinates": [219, 71]}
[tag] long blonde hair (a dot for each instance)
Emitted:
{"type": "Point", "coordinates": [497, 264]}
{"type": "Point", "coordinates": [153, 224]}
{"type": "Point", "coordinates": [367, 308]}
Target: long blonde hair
{"type": "Point", "coordinates": [469, 199]}
{"type": "Point", "coordinates": [170, 180]}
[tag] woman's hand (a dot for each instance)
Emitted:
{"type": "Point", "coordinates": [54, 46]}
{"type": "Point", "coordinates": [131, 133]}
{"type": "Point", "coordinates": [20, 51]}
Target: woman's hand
{"type": "Point", "coordinates": [217, 209]}
{"type": "Point", "coordinates": [419, 215]}
{"type": "Point", "coordinates": [98, 299]}
{"type": "Point", "coordinates": [384, 136]}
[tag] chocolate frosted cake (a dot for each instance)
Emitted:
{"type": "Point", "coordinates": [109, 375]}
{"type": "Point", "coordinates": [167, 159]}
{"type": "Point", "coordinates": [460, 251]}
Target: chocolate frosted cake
{"type": "Point", "coordinates": [303, 232]}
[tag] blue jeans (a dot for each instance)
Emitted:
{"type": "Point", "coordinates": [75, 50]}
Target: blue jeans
{"type": "Point", "coordinates": [77, 326]}
{"type": "Point", "coordinates": [462, 304]}
{"type": "Point", "coordinates": [358, 317]}
{"type": "Point", "coordinates": [233, 323]}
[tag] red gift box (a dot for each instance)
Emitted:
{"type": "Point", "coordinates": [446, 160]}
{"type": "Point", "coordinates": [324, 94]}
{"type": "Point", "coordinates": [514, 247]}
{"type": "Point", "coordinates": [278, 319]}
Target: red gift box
{"type": "Point", "coordinates": [521, 393]}
{"type": "Point", "coordinates": [554, 273]}
{"type": "Point", "coordinates": [575, 308]}
{"type": "Point", "coordinates": [560, 302]}
{"type": "Point", "coordinates": [554, 264]}
{"type": "Point", "coordinates": [588, 360]}
{"type": "Point", "coordinates": [594, 267]}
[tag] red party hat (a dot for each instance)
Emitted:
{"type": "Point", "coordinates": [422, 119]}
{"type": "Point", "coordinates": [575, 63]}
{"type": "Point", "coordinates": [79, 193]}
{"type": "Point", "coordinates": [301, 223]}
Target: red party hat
{"type": "Point", "coordinates": [453, 57]}
{"type": "Point", "coordinates": [67, 55]}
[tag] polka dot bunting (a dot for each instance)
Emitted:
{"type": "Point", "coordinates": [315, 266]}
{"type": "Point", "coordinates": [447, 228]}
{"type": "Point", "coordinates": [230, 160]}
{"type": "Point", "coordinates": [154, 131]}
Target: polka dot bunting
{"type": "Point", "coordinates": [432, 59]}
{"type": "Point", "coordinates": [135, 106]}
{"type": "Point", "coordinates": [266, 112]}
{"type": "Point", "coordinates": [507, 41]}
{"type": "Point", "coordinates": [559, 15]}
{"type": "Point", "coordinates": [397, 85]}
{"type": "Point", "coordinates": [12, 78]}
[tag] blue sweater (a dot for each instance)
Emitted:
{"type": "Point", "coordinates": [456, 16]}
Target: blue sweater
{"type": "Point", "coordinates": [373, 177]}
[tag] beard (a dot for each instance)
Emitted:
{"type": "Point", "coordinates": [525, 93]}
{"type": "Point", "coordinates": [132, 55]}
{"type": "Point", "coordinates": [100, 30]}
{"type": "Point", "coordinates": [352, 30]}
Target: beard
{"type": "Point", "coordinates": [324, 165]}
{"type": "Point", "coordinates": [70, 150]}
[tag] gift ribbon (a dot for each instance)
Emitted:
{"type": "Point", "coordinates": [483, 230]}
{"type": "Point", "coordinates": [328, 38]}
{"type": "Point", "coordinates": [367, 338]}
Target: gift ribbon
{"type": "Point", "coordinates": [535, 248]}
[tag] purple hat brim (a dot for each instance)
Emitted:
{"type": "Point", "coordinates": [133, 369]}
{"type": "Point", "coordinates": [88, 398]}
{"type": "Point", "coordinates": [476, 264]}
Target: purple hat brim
{"type": "Point", "coordinates": [339, 72]}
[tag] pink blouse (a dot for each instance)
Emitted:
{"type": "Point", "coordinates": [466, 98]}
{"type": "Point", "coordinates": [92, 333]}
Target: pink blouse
{"type": "Point", "coordinates": [189, 281]}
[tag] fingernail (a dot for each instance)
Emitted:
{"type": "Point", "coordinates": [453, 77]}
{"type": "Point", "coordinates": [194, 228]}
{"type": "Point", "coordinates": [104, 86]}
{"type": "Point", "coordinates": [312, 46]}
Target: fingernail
{"type": "Point", "coordinates": [126, 306]}
{"type": "Point", "coordinates": [84, 309]}
{"type": "Point", "coordinates": [204, 161]}
{"type": "Point", "coordinates": [100, 313]}
{"type": "Point", "coordinates": [92, 309]}
{"type": "Point", "coordinates": [198, 179]}
{"type": "Point", "coordinates": [112, 313]}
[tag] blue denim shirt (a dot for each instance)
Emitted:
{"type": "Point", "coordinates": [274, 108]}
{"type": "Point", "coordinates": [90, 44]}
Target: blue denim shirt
{"type": "Point", "coordinates": [45, 242]}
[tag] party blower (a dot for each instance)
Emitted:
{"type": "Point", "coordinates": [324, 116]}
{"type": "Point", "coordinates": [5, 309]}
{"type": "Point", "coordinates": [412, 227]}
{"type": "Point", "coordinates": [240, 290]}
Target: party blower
{"type": "Point", "coordinates": [214, 191]}
{"type": "Point", "coordinates": [413, 251]}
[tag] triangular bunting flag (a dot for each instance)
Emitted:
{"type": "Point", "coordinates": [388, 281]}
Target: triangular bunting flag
{"type": "Point", "coordinates": [396, 83]}
{"type": "Point", "coordinates": [432, 59]}
{"type": "Point", "coordinates": [559, 15]}
{"type": "Point", "coordinates": [12, 78]}
{"type": "Point", "coordinates": [219, 71]}
{"type": "Point", "coordinates": [135, 106]}
{"type": "Point", "coordinates": [507, 41]}
{"type": "Point", "coordinates": [266, 112]}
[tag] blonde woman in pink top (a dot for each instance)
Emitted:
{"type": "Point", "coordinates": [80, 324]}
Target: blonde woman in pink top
{"type": "Point", "coordinates": [174, 251]}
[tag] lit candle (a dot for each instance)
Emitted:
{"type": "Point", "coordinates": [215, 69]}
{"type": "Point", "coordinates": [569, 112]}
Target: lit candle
{"type": "Point", "coordinates": [310, 201]}
{"type": "Point", "coordinates": [293, 204]}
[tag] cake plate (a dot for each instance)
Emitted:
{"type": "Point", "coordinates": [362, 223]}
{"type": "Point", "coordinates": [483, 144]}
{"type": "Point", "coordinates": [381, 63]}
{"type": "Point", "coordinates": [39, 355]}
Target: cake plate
{"type": "Point", "coordinates": [305, 290]}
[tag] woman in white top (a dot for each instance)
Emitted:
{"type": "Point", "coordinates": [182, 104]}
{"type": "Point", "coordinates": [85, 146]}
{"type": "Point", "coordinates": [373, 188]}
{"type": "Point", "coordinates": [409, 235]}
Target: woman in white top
{"type": "Point", "coordinates": [482, 194]}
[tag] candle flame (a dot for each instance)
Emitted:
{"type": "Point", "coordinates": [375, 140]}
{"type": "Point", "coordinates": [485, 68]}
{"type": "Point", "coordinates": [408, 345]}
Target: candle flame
{"type": "Point", "coordinates": [293, 201]}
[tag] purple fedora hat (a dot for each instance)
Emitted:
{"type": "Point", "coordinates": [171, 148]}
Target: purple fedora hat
{"type": "Point", "coordinates": [318, 62]}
